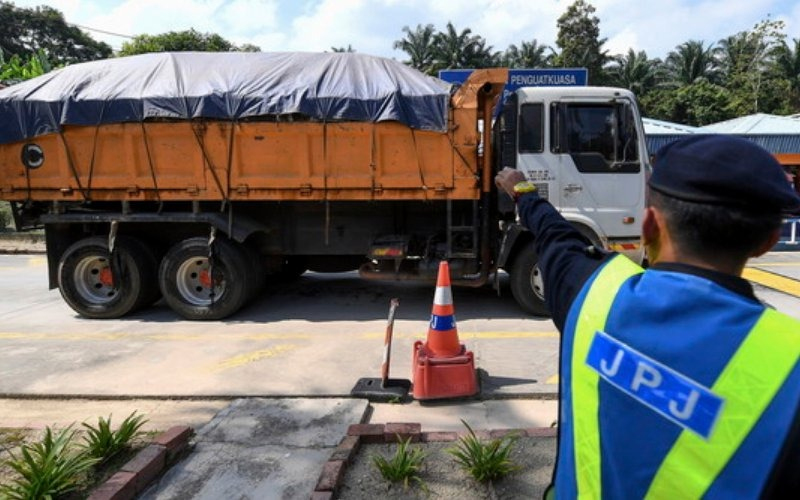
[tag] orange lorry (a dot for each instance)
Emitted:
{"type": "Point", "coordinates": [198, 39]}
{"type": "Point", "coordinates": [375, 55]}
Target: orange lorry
{"type": "Point", "coordinates": [163, 184]}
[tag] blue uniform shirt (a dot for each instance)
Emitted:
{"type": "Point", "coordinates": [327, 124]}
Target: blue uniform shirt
{"type": "Point", "coordinates": [566, 260]}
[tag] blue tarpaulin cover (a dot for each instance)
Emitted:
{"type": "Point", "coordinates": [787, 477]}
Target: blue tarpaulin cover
{"type": "Point", "coordinates": [224, 86]}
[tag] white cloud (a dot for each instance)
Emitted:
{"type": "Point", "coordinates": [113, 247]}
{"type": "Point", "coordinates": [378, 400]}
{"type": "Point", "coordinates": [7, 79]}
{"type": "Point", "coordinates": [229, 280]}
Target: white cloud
{"type": "Point", "coordinates": [249, 17]}
{"type": "Point", "coordinates": [371, 26]}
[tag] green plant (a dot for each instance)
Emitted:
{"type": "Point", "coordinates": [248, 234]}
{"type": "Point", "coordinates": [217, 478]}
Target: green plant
{"type": "Point", "coordinates": [17, 69]}
{"type": "Point", "coordinates": [403, 466]}
{"type": "Point", "coordinates": [484, 461]}
{"type": "Point", "coordinates": [48, 468]}
{"type": "Point", "coordinates": [103, 443]}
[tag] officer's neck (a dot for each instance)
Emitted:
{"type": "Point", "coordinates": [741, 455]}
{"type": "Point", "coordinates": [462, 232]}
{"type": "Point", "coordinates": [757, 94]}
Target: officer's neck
{"type": "Point", "coordinates": [731, 268]}
{"type": "Point", "coordinates": [669, 253]}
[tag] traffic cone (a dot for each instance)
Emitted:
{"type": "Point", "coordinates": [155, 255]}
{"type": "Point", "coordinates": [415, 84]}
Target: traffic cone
{"type": "Point", "coordinates": [443, 368]}
{"type": "Point", "coordinates": [442, 333]}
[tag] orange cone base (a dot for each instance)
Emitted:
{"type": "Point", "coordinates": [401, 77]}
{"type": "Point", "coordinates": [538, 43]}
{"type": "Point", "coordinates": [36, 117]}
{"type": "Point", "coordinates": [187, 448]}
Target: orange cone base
{"type": "Point", "coordinates": [443, 377]}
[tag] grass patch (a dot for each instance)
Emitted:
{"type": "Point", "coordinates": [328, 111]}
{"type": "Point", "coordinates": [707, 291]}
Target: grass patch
{"type": "Point", "coordinates": [103, 442]}
{"type": "Point", "coordinates": [484, 461]}
{"type": "Point", "coordinates": [48, 468]}
{"type": "Point", "coordinates": [67, 463]}
{"type": "Point", "coordinates": [404, 466]}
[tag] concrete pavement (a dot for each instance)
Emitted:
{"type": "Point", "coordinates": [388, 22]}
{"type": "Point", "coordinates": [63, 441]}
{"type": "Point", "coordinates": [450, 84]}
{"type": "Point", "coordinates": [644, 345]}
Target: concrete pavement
{"type": "Point", "coordinates": [264, 448]}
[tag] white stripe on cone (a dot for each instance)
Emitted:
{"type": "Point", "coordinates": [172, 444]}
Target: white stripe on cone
{"type": "Point", "coordinates": [443, 297]}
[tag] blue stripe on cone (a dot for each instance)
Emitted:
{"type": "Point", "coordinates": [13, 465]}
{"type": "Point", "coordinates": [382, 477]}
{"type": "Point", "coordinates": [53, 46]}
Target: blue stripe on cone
{"type": "Point", "coordinates": [443, 323]}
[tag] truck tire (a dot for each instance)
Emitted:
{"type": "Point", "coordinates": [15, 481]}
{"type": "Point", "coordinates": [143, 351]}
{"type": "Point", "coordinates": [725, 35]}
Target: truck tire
{"type": "Point", "coordinates": [88, 284]}
{"type": "Point", "coordinates": [199, 288]}
{"type": "Point", "coordinates": [527, 286]}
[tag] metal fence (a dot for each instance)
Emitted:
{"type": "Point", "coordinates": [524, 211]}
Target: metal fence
{"type": "Point", "coordinates": [790, 234]}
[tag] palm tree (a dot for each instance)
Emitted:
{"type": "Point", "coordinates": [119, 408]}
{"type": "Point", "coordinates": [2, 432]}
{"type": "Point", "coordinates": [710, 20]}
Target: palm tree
{"type": "Point", "coordinates": [788, 62]}
{"type": "Point", "coordinates": [528, 55]}
{"type": "Point", "coordinates": [734, 53]}
{"type": "Point", "coordinates": [462, 50]}
{"type": "Point", "coordinates": [420, 47]}
{"type": "Point", "coordinates": [635, 72]}
{"type": "Point", "coordinates": [692, 61]}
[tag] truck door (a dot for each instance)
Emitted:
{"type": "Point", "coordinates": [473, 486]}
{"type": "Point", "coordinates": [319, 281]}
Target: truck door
{"type": "Point", "coordinates": [599, 171]}
{"type": "Point", "coordinates": [534, 160]}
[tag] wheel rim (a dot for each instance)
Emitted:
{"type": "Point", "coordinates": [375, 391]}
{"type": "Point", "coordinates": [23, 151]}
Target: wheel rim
{"type": "Point", "coordinates": [93, 280]}
{"type": "Point", "coordinates": [537, 283]}
{"type": "Point", "coordinates": [194, 282]}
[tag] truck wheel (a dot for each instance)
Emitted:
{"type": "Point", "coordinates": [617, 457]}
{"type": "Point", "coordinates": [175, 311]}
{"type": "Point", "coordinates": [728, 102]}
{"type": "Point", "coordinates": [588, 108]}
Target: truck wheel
{"type": "Point", "coordinates": [199, 288]}
{"type": "Point", "coordinates": [90, 287]}
{"type": "Point", "coordinates": [527, 285]}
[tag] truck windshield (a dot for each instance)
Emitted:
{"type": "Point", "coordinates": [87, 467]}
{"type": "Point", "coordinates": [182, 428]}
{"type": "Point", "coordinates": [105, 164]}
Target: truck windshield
{"type": "Point", "coordinates": [594, 131]}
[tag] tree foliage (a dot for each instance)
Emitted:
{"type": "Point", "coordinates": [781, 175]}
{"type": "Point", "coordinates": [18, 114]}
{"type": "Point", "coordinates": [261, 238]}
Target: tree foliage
{"type": "Point", "coordinates": [698, 104]}
{"type": "Point", "coordinates": [748, 62]}
{"type": "Point", "coordinates": [691, 62]}
{"type": "Point", "coordinates": [787, 61]}
{"type": "Point", "coordinates": [461, 49]}
{"type": "Point", "coordinates": [17, 69]}
{"type": "Point", "coordinates": [580, 42]}
{"type": "Point", "coordinates": [528, 55]}
{"type": "Point", "coordinates": [182, 41]}
{"type": "Point", "coordinates": [26, 32]}
{"type": "Point", "coordinates": [635, 71]}
{"type": "Point", "coordinates": [419, 44]}
{"type": "Point", "coordinates": [431, 51]}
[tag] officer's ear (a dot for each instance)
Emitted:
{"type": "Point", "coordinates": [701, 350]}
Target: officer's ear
{"type": "Point", "coordinates": [768, 244]}
{"type": "Point", "coordinates": [651, 229]}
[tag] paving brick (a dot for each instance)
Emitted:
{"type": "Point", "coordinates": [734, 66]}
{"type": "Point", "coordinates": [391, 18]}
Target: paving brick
{"type": "Point", "coordinates": [120, 486]}
{"type": "Point", "coordinates": [332, 473]}
{"type": "Point", "coordinates": [175, 440]}
{"type": "Point", "coordinates": [347, 449]}
{"type": "Point", "coordinates": [369, 433]}
{"type": "Point", "coordinates": [322, 495]}
{"type": "Point", "coordinates": [501, 433]}
{"type": "Point", "coordinates": [482, 435]}
{"type": "Point", "coordinates": [147, 465]}
{"type": "Point", "coordinates": [542, 432]}
{"type": "Point", "coordinates": [433, 437]}
{"type": "Point", "coordinates": [403, 430]}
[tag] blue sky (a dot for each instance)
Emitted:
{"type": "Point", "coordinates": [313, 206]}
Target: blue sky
{"type": "Point", "coordinates": [371, 26]}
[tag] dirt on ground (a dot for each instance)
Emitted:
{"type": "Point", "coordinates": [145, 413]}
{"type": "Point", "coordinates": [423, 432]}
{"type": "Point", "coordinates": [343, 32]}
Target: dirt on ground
{"type": "Point", "coordinates": [442, 477]}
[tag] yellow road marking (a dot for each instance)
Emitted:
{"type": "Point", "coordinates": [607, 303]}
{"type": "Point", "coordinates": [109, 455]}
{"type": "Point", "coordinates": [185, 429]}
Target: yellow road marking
{"type": "Point", "coordinates": [251, 357]}
{"type": "Point", "coordinates": [175, 337]}
{"type": "Point", "coordinates": [152, 336]}
{"type": "Point", "coordinates": [31, 262]}
{"type": "Point", "coordinates": [772, 280]}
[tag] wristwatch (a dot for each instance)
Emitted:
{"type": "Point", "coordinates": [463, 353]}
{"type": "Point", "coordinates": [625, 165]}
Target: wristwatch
{"type": "Point", "coordinates": [523, 187]}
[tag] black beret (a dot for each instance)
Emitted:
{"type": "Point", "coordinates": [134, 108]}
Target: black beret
{"type": "Point", "coordinates": [723, 170]}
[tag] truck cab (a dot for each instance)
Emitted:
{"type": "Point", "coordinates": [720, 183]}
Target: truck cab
{"type": "Point", "coordinates": [584, 149]}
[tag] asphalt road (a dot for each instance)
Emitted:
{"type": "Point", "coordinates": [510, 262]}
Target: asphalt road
{"type": "Point", "coordinates": [314, 337]}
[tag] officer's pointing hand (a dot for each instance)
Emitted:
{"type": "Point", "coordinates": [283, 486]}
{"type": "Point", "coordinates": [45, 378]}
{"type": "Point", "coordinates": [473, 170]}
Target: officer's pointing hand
{"type": "Point", "coordinates": [507, 178]}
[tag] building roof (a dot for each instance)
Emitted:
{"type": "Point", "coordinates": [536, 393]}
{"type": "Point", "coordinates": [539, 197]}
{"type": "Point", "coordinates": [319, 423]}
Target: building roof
{"type": "Point", "coordinates": [759, 123]}
{"type": "Point", "coordinates": [660, 127]}
{"type": "Point", "coordinates": [776, 134]}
